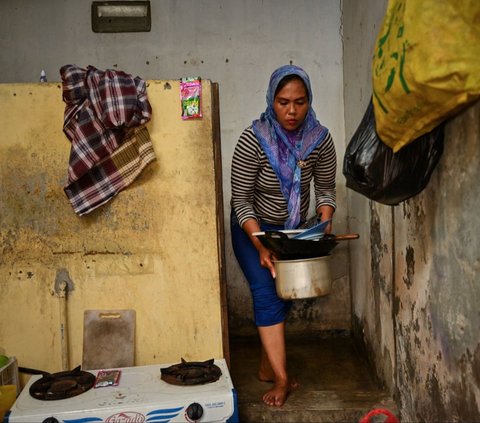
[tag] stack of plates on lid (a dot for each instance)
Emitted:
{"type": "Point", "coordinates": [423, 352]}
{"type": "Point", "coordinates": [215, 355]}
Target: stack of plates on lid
{"type": "Point", "coordinates": [314, 233]}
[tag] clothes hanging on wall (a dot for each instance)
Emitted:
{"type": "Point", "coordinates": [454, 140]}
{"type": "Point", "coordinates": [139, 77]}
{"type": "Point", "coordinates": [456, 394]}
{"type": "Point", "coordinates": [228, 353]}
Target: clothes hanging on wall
{"type": "Point", "coordinates": [105, 117]}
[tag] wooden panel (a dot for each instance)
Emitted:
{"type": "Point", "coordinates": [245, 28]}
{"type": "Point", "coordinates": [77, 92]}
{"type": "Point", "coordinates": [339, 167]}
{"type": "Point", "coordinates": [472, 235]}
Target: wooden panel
{"type": "Point", "coordinates": [154, 248]}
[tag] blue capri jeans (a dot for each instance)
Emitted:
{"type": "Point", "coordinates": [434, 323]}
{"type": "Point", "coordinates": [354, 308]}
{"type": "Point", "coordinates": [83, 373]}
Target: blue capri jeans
{"type": "Point", "coordinates": [268, 308]}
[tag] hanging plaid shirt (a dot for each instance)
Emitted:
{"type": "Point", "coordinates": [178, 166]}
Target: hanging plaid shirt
{"type": "Point", "coordinates": [104, 120]}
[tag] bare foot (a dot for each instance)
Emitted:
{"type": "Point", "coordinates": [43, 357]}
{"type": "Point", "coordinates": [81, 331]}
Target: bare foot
{"type": "Point", "coordinates": [270, 378]}
{"type": "Point", "coordinates": [264, 376]}
{"type": "Point", "coordinates": [277, 396]}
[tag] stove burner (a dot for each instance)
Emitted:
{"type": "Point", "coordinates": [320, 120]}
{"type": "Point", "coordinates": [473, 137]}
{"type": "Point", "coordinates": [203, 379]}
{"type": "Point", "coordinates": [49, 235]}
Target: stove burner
{"type": "Point", "coordinates": [61, 385]}
{"type": "Point", "coordinates": [191, 373]}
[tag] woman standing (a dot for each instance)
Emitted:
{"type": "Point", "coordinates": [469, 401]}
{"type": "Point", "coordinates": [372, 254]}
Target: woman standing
{"type": "Point", "coordinates": [273, 165]}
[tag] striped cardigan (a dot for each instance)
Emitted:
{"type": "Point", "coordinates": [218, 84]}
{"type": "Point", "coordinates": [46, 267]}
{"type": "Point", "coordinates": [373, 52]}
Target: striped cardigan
{"type": "Point", "coordinates": [256, 190]}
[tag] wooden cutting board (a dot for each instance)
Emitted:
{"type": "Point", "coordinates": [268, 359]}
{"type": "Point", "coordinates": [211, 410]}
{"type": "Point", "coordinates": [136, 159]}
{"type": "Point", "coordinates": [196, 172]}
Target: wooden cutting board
{"type": "Point", "coordinates": [108, 339]}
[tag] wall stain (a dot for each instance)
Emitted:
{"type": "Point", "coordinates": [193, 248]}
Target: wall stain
{"type": "Point", "coordinates": [380, 289]}
{"type": "Point", "coordinates": [9, 239]}
{"type": "Point", "coordinates": [406, 210]}
{"type": "Point", "coordinates": [378, 249]}
{"type": "Point", "coordinates": [409, 362]}
{"type": "Point", "coordinates": [303, 310]}
{"type": "Point", "coordinates": [476, 365]}
{"type": "Point", "coordinates": [94, 253]}
{"type": "Point", "coordinates": [397, 305]}
{"type": "Point", "coordinates": [416, 330]}
{"type": "Point", "coordinates": [410, 262]}
{"type": "Point", "coordinates": [437, 410]}
{"type": "Point", "coordinates": [462, 402]}
{"type": "Point", "coordinates": [365, 348]}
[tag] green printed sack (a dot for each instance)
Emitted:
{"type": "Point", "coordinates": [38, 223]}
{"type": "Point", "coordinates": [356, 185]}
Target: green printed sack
{"type": "Point", "coordinates": [426, 66]}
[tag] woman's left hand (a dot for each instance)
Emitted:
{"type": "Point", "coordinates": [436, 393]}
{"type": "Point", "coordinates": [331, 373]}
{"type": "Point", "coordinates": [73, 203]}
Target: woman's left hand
{"type": "Point", "coordinates": [325, 213]}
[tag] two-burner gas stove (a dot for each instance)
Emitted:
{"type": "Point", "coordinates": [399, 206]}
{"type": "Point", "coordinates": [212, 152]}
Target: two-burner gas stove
{"type": "Point", "coordinates": [140, 396]}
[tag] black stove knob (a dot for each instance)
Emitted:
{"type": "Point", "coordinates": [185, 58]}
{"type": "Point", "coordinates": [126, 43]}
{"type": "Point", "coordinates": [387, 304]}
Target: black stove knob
{"type": "Point", "coordinates": [50, 420]}
{"type": "Point", "coordinates": [195, 411]}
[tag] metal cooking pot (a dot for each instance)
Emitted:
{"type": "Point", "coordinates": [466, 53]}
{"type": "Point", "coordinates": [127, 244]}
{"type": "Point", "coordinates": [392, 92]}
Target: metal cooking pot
{"type": "Point", "coordinates": [305, 278]}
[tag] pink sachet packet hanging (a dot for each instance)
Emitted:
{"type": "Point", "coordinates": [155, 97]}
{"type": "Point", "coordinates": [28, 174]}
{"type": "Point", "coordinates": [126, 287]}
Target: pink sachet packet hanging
{"type": "Point", "coordinates": [190, 96]}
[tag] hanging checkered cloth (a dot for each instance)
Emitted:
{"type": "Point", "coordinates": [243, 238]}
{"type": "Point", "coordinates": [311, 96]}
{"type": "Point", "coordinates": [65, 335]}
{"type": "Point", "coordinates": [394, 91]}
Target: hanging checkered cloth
{"type": "Point", "coordinates": [104, 120]}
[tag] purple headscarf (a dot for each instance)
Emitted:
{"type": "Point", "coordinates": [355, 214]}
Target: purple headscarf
{"type": "Point", "coordinates": [284, 149]}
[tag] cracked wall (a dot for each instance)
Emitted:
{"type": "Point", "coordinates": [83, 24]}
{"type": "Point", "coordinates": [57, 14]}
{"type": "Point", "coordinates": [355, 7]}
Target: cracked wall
{"type": "Point", "coordinates": [415, 284]}
{"type": "Point", "coordinates": [437, 285]}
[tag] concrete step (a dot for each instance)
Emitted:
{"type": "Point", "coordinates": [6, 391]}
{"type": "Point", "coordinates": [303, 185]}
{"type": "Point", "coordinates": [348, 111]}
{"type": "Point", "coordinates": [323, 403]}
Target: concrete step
{"type": "Point", "coordinates": [315, 406]}
{"type": "Point", "coordinates": [336, 384]}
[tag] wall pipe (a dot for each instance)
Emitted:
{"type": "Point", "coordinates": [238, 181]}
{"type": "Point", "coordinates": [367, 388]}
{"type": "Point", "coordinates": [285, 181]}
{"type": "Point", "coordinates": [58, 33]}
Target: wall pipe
{"type": "Point", "coordinates": [62, 295]}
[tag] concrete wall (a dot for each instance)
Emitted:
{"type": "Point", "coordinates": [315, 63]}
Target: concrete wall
{"type": "Point", "coordinates": [131, 253]}
{"type": "Point", "coordinates": [235, 43]}
{"type": "Point", "coordinates": [437, 291]}
{"type": "Point", "coordinates": [415, 284]}
{"type": "Point", "coordinates": [370, 257]}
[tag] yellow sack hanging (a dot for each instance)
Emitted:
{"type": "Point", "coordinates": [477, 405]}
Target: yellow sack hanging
{"type": "Point", "coordinates": [426, 66]}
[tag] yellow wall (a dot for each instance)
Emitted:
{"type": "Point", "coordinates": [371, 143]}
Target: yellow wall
{"type": "Point", "coordinates": [153, 248]}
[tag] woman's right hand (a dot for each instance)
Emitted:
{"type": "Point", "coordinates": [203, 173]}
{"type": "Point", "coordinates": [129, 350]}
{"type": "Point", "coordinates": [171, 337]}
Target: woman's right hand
{"type": "Point", "coordinates": [266, 257]}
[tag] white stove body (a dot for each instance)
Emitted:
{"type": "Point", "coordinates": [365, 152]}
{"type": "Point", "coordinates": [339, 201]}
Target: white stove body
{"type": "Point", "coordinates": [141, 396]}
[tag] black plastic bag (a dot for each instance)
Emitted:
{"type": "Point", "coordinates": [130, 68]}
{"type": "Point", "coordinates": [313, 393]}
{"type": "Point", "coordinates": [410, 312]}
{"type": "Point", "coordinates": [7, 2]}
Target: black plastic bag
{"type": "Point", "coordinates": [372, 169]}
